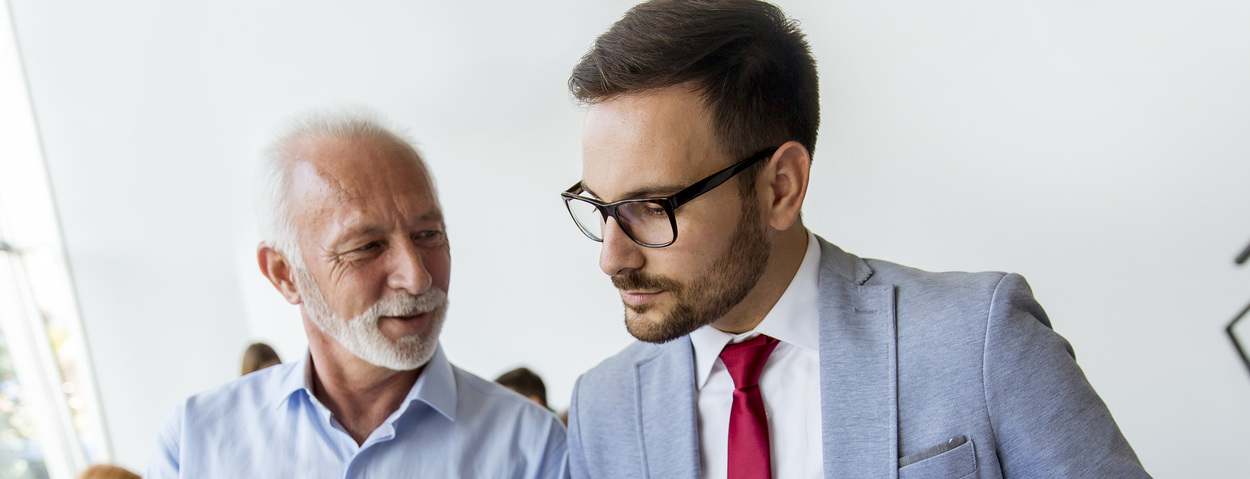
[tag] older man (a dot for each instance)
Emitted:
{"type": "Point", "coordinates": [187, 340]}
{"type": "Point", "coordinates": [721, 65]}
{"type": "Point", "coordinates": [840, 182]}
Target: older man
{"type": "Point", "coordinates": [355, 236]}
{"type": "Point", "coordinates": [766, 351]}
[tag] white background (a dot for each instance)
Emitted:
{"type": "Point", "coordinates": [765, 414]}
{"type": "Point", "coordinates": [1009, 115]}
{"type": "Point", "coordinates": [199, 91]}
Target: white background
{"type": "Point", "coordinates": [1099, 148]}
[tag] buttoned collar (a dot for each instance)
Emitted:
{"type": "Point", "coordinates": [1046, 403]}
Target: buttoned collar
{"type": "Point", "coordinates": [436, 387]}
{"type": "Point", "coordinates": [793, 320]}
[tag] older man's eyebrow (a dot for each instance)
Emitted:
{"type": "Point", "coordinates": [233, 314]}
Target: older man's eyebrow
{"type": "Point", "coordinates": [434, 214]}
{"type": "Point", "coordinates": [354, 232]}
{"type": "Point", "coordinates": [351, 234]}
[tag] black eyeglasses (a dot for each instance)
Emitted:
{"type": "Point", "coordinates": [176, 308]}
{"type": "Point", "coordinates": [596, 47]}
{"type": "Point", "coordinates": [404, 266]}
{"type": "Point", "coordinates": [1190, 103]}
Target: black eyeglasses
{"type": "Point", "coordinates": [649, 222]}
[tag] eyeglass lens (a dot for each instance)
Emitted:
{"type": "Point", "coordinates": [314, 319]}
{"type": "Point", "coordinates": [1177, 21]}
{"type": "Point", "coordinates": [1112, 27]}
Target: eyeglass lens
{"type": "Point", "coordinates": [645, 221]}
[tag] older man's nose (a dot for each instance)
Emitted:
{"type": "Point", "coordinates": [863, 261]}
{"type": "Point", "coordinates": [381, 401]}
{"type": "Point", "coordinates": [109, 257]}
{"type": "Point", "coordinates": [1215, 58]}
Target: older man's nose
{"type": "Point", "coordinates": [408, 271]}
{"type": "Point", "coordinates": [619, 254]}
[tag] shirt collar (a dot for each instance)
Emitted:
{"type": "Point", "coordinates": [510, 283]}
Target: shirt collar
{"type": "Point", "coordinates": [435, 387]}
{"type": "Point", "coordinates": [794, 319]}
{"type": "Point", "coordinates": [295, 379]}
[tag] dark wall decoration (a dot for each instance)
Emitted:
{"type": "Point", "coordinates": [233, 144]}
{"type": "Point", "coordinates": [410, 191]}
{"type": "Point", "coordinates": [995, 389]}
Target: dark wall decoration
{"type": "Point", "coordinates": [1239, 328]}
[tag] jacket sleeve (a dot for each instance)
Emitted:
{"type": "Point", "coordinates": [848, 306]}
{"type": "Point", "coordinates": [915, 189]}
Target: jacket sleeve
{"type": "Point", "coordinates": [1047, 419]}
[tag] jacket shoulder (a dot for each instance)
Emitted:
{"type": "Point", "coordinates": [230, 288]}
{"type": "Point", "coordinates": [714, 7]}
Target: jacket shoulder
{"type": "Point", "coordinates": [950, 304]}
{"type": "Point", "coordinates": [840, 267]}
{"type": "Point", "coordinates": [954, 281]}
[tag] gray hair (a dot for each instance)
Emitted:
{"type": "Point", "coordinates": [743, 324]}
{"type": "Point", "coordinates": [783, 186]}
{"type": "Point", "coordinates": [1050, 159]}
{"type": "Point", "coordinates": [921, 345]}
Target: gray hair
{"type": "Point", "coordinates": [274, 214]}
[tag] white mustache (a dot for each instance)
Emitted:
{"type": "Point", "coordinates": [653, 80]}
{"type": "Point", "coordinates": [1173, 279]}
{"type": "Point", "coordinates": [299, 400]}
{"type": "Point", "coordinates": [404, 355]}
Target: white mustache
{"type": "Point", "coordinates": [407, 304]}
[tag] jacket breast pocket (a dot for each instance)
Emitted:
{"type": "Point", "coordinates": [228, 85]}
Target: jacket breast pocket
{"type": "Point", "coordinates": [953, 459]}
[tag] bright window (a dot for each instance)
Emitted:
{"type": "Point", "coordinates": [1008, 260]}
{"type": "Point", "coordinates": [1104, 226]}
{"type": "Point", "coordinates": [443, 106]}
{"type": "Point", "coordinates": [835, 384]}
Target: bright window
{"type": "Point", "coordinates": [50, 419]}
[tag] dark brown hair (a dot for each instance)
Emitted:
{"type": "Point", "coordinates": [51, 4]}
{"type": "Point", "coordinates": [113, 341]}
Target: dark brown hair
{"type": "Point", "coordinates": [750, 63]}
{"type": "Point", "coordinates": [526, 382]}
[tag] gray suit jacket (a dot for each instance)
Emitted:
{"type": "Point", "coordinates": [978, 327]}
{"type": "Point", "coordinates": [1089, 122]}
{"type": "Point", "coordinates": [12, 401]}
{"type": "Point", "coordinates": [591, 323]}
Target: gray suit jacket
{"type": "Point", "coordinates": [923, 375]}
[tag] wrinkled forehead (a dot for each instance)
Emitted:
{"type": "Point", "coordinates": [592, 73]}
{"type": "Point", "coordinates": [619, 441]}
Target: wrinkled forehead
{"type": "Point", "coordinates": [332, 172]}
{"type": "Point", "coordinates": [647, 144]}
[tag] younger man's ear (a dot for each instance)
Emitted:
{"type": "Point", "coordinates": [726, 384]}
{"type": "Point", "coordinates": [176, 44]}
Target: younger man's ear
{"type": "Point", "coordinates": [786, 184]}
{"type": "Point", "coordinates": [275, 267]}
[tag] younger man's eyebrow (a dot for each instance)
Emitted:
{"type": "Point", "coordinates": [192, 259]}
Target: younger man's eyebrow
{"type": "Point", "coordinates": [642, 192]}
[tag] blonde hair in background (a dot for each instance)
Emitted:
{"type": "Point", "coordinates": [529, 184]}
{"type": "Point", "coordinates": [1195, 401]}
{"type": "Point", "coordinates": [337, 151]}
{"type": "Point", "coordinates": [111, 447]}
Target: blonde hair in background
{"type": "Point", "coordinates": [107, 471]}
{"type": "Point", "coordinates": [259, 356]}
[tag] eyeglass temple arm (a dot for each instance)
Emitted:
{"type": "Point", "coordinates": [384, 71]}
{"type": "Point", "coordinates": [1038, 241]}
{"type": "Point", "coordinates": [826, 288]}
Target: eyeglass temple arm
{"type": "Point", "coordinates": [720, 177]}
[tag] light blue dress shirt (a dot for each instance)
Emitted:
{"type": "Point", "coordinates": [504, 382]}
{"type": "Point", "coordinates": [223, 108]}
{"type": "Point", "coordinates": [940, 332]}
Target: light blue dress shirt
{"type": "Point", "coordinates": [268, 424]}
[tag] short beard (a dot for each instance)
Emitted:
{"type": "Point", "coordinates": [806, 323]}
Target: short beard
{"type": "Point", "coordinates": [712, 294]}
{"type": "Point", "coordinates": [361, 335]}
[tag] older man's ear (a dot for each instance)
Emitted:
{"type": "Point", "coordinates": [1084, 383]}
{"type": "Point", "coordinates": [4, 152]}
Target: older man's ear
{"type": "Point", "coordinates": [275, 267]}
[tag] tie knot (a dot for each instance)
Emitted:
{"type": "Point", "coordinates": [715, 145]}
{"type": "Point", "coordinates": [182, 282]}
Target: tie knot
{"type": "Point", "coordinates": [745, 360]}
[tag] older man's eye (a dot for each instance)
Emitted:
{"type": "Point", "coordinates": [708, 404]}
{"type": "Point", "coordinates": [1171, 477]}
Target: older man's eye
{"type": "Point", "coordinates": [428, 236]}
{"type": "Point", "coordinates": [368, 246]}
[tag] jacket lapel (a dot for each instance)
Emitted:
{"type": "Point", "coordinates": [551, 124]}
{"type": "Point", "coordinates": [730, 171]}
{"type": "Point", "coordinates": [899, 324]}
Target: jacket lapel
{"type": "Point", "coordinates": [858, 369]}
{"type": "Point", "coordinates": [670, 446]}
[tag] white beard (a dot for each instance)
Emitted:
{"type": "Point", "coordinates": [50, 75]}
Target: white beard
{"type": "Point", "coordinates": [361, 335]}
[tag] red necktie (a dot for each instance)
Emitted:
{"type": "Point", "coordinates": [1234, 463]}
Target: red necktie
{"type": "Point", "coordinates": [748, 426]}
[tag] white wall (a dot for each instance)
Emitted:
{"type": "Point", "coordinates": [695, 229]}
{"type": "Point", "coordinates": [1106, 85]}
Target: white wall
{"type": "Point", "coordinates": [1099, 148]}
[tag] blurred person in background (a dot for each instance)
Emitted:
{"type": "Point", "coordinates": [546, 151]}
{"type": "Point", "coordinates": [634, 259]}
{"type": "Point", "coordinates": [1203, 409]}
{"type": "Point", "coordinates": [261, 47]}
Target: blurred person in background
{"type": "Point", "coordinates": [106, 471]}
{"type": "Point", "coordinates": [526, 383]}
{"type": "Point", "coordinates": [259, 356]}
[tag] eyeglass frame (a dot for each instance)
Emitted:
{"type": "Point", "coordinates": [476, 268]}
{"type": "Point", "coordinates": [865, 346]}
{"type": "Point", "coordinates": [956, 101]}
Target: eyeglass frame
{"type": "Point", "coordinates": [669, 203]}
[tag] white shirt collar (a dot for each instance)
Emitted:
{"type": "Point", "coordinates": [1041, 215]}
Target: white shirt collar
{"type": "Point", "coordinates": [794, 319]}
